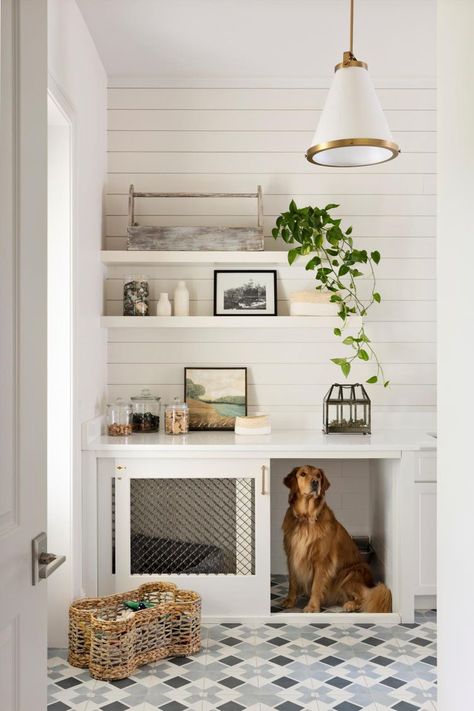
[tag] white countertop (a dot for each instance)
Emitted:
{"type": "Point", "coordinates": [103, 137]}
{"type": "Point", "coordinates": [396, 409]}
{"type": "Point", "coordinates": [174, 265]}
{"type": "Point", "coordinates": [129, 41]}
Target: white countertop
{"type": "Point", "coordinates": [280, 443]}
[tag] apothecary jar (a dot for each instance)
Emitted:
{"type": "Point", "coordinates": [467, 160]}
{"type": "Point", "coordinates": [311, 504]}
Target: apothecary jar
{"type": "Point", "coordinates": [177, 418]}
{"type": "Point", "coordinates": [145, 412]}
{"type": "Point", "coordinates": [119, 418]}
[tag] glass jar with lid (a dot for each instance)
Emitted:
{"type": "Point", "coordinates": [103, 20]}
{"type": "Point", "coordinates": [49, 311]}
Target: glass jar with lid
{"type": "Point", "coordinates": [135, 296]}
{"type": "Point", "coordinates": [145, 412]}
{"type": "Point", "coordinates": [119, 418]}
{"type": "Point", "coordinates": [177, 418]}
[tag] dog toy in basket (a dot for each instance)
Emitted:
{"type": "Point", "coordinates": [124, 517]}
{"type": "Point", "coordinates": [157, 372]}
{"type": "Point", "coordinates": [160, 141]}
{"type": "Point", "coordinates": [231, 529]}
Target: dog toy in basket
{"type": "Point", "coordinates": [114, 635]}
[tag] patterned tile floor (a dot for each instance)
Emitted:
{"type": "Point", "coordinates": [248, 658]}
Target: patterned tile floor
{"type": "Point", "coordinates": [314, 667]}
{"type": "Point", "coordinates": [279, 590]}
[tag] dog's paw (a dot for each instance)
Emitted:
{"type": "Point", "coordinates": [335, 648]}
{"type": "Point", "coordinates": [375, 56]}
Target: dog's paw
{"type": "Point", "coordinates": [288, 602]}
{"type": "Point", "coordinates": [351, 606]}
{"type": "Point", "coordinates": [312, 607]}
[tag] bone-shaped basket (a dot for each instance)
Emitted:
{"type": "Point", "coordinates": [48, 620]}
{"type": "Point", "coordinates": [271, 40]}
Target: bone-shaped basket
{"type": "Point", "coordinates": [113, 648]}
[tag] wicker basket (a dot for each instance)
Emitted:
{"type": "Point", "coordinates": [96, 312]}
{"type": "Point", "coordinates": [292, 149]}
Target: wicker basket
{"type": "Point", "coordinates": [114, 648]}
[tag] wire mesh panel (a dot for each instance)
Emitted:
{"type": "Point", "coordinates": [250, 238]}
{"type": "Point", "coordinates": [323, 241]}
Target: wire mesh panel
{"type": "Point", "coordinates": [183, 526]}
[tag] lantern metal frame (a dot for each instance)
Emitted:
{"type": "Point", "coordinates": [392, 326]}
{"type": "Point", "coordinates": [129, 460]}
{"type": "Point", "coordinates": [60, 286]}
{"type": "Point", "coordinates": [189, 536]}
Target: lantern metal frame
{"type": "Point", "coordinates": [336, 397]}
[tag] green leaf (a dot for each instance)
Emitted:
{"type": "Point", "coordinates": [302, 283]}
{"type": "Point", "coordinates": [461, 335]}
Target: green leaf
{"type": "Point", "coordinates": [349, 231]}
{"type": "Point", "coordinates": [275, 232]}
{"type": "Point", "coordinates": [372, 380]}
{"type": "Point", "coordinates": [338, 361]}
{"type": "Point", "coordinates": [348, 341]}
{"type": "Point", "coordinates": [386, 383]}
{"type": "Point", "coordinates": [331, 206]}
{"type": "Point", "coordinates": [337, 332]}
{"type": "Point", "coordinates": [376, 297]}
{"type": "Point", "coordinates": [356, 273]}
{"type": "Point", "coordinates": [346, 368]}
{"type": "Point", "coordinates": [311, 264]}
{"type": "Point", "coordinates": [335, 298]}
{"type": "Point", "coordinates": [375, 256]}
{"type": "Point", "coordinates": [343, 270]}
{"type": "Point", "coordinates": [292, 254]}
{"type": "Point", "coordinates": [363, 355]}
{"type": "Point", "coordinates": [293, 207]}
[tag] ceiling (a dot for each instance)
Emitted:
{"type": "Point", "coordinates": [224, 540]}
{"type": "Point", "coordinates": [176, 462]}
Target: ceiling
{"type": "Point", "coordinates": [260, 38]}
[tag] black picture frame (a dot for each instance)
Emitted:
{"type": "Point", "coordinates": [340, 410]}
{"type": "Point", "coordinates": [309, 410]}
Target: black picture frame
{"type": "Point", "coordinates": [216, 428]}
{"type": "Point", "coordinates": [273, 272]}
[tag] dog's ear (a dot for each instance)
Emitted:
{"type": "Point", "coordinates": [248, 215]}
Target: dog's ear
{"type": "Point", "coordinates": [290, 478]}
{"type": "Point", "coordinates": [325, 483]}
{"type": "Point", "coordinates": [290, 482]}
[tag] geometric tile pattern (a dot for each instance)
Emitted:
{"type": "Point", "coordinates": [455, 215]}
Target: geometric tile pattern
{"type": "Point", "coordinates": [279, 591]}
{"type": "Point", "coordinates": [315, 667]}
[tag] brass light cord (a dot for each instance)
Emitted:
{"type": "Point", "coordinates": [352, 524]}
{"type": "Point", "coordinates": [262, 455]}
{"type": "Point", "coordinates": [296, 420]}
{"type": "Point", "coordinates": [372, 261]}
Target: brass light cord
{"type": "Point", "coordinates": [351, 41]}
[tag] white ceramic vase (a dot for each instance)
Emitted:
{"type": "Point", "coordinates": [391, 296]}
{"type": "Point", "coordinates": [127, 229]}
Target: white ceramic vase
{"type": "Point", "coordinates": [181, 300]}
{"type": "Point", "coordinates": [163, 306]}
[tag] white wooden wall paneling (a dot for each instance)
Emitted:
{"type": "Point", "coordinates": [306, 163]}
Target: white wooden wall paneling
{"type": "Point", "coordinates": [231, 139]}
{"type": "Point", "coordinates": [249, 120]}
{"type": "Point", "coordinates": [252, 99]}
{"type": "Point", "coordinates": [235, 141]}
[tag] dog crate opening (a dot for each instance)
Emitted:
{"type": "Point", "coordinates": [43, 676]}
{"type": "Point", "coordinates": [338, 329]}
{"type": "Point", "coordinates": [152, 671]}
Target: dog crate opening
{"type": "Point", "coordinates": [359, 497]}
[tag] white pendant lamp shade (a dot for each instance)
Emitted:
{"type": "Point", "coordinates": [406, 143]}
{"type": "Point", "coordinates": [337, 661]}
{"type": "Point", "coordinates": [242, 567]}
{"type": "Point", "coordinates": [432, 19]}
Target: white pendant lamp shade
{"type": "Point", "coordinates": [352, 130]}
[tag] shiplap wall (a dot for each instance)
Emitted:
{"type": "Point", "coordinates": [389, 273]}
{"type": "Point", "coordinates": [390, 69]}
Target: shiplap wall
{"type": "Point", "coordinates": [231, 139]}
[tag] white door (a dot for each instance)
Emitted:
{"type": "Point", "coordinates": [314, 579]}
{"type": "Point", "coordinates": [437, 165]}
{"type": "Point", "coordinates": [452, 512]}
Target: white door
{"type": "Point", "coordinates": [23, 352]}
{"type": "Point", "coordinates": [203, 524]}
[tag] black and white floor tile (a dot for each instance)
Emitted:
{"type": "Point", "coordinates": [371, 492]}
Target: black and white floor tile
{"type": "Point", "coordinates": [314, 667]}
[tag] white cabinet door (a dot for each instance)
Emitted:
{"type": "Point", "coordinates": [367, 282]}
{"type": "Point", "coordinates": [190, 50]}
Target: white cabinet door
{"type": "Point", "coordinates": [425, 583]}
{"type": "Point", "coordinates": [203, 524]}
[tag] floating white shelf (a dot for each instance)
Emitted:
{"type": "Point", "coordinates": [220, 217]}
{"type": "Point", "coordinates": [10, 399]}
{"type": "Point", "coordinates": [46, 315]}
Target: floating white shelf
{"type": "Point", "coordinates": [226, 322]}
{"type": "Point", "coordinates": [123, 257]}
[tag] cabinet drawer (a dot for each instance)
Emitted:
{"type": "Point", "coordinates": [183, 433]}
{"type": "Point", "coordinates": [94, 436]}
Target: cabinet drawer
{"type": "Point", "coordinates": [426, 470]}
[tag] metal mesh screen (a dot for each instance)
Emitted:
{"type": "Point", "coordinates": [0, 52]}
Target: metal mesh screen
{"type": "Point", "coordinates": [183, 526]}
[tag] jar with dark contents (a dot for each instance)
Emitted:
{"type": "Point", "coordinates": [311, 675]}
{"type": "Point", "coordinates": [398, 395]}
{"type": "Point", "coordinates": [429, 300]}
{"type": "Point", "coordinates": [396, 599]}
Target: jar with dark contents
{"type": "Point", "coordinates": [135, 296]}
{"type": "Point", "coordinates": [119, 418]}
{"type": "Point", "coordinates": [145, 412]}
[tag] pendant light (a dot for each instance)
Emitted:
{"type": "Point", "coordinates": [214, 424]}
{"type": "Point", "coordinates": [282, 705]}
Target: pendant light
{"type": "Point", "coordinates": [352, 130]}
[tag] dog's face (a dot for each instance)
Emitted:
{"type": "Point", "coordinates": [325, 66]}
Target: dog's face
{"type": "Point", "coordinates": [306, 481]}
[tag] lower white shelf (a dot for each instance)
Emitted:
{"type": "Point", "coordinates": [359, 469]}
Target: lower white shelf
{"type": "Point", "coordinates": [227, 322]}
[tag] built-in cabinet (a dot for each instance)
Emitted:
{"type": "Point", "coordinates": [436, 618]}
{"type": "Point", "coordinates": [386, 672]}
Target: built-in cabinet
{"type": "Point", "coordinates": [425, 531]}
{"type": "Point", "coordinates": [198, 515]}
{"type": "Point", "coordinates": [203, 524]}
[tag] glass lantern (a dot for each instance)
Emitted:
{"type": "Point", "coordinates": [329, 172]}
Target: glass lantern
{"type": "Point", "coordinates": [346, 410]}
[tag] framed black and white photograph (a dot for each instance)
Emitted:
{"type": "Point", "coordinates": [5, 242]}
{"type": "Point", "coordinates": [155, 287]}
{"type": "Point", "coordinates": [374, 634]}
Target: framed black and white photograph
{"type": "Point", "coordinates": [245, 292]}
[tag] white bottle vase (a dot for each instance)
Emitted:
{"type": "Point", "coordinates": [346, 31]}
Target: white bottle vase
{"type": "Point", "coordinates": [181, 300]}
{"type": "Point", "coordinates": [163, 306]}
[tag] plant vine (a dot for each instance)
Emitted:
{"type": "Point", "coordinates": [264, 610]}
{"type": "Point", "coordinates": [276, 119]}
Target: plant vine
{"type": "Point", "coordinates": [336, 270]}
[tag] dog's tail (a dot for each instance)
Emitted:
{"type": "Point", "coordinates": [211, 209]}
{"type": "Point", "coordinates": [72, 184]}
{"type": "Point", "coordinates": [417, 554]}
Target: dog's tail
{"type": "Point", "coordinates": [377, 599]}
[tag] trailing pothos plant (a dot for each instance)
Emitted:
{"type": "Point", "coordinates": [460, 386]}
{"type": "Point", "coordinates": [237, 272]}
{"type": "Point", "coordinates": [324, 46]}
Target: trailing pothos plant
{"type": "Point", "coordinates": [336, 265]}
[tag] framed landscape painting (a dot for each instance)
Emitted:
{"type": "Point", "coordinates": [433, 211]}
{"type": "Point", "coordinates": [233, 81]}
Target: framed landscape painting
{"type": "Point", "coordinates": [245, 292]}
{"type": "Point", "coordinates": [215, 397]}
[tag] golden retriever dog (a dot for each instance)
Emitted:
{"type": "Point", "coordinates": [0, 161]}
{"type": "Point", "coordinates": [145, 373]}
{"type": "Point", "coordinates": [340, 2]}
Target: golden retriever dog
{"type": "Point", "coordinates": [323, 561]}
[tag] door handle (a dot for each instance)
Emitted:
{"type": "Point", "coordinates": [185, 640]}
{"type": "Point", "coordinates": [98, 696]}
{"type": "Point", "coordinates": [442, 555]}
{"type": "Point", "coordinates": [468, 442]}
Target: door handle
{"type": "Point", "coordinates": [43, 563]}
{"type": "Point", "coordinates": [263, 490]}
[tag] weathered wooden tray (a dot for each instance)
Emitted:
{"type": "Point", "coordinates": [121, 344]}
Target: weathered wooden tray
{"type": "Point", "coordinates": [194, 239]}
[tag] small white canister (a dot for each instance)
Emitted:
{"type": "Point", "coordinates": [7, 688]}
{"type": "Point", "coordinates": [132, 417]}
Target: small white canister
{"type": "Point", "coordinates": [163, 306]}
{"type": "Point", "coordinates": [181, 300]}
{"type": "Point", "coordinates": [253, 425]}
